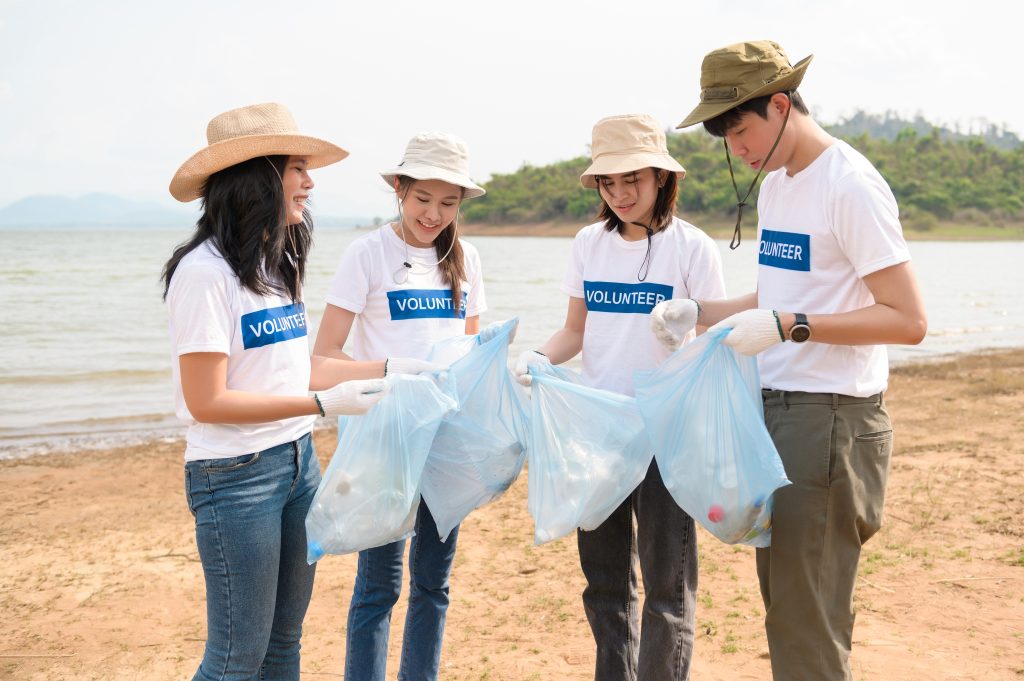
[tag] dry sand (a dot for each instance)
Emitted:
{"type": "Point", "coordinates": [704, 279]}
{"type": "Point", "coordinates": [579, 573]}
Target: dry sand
{"type": "Point", "coordinates": [99, 577]}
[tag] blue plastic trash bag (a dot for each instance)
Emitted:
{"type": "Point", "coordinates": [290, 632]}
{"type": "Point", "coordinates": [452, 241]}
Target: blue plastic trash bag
{"type": "Point", "coordinates": [703, 411]}
{"type": "Point", "coordinates": [370, 493]}
{"type": "Point", "coordinates": [587, 452]}
{"type": "Point", "coordinates": [479, 450]}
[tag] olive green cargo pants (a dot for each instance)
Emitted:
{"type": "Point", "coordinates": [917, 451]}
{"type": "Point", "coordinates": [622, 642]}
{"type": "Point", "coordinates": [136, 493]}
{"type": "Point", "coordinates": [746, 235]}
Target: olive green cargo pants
{"type": "Point", "coordinates": [836, 451]}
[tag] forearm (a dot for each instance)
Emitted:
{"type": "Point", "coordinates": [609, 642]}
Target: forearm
{"type": "Point", "coordinates": [714, 311]}
{"type": "Point", "coordinates": [877, 324]}
{"type": "Point", "coordinates": [329, 371]}
{"type": "Point", "coordinates": [236, 406]}
{"type": "Point", "coordinates": [565, 344]}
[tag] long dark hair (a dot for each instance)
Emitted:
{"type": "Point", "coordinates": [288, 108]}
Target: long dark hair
{"type": "Point", "coordinates": [664, 204]}
{"type": "Point", "coordinates": [453, 268]}
{"type": "Point", "coordinates": [244, 215]}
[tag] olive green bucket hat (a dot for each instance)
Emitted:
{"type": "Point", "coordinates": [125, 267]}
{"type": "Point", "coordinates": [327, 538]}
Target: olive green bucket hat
{"type": "Point", "coordinates": [740, 72]}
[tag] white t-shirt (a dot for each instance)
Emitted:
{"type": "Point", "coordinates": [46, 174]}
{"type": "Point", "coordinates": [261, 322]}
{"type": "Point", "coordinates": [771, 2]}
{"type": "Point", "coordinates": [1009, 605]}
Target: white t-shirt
{"type": "Point", "coordinates": [604, 271]}
{"type": "Point", "coordinates": [401, 319]}
{"type": "Point", "coordinates": [820, 233]}
{"type": "Point", "coordinates": [264, 338]}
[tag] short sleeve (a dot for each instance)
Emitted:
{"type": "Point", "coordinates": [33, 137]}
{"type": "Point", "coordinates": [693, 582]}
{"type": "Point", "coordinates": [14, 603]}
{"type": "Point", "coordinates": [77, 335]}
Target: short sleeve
{"type": "Point", "coordinates": [351, 282]}
{"type": "Point", "coordinates": [866, 223]}
{"type": "Point", "coordinates": [572, 283]}
{"type": "Point", "coordinates": [704, 279]}
{"type": "Point", "coordinates": [476, 302]}
{"type": "Point", "coordinates": [200, 309]}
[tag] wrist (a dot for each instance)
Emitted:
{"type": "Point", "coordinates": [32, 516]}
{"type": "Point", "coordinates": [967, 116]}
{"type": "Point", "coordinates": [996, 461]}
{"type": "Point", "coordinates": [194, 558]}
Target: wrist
{"type": "Point", "coordinates": [319, 406]}
{"type": "Point", "coordinates": [786, 321]}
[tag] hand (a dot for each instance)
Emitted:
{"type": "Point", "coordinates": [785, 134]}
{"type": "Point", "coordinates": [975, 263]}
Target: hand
{"type": "Point", "coordinates": [527, 359]}
{"type": "Point", "coordinates": [407, 365]}
{"type": "Point", "coordinates": [672, 319]}
{"type": "Point", "coordinates": [753, 331]}
{"type": "Point", "coordinates": [491, 330]}
{"type": "Point", "coordinates": [351, 397]}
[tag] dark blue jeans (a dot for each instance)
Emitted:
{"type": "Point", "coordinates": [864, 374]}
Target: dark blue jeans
{"type": "Point", "coordinates": [250, 513]}
{"type": "Point", "coordinates": [649, 525]}
{"type": "Point", "coordinates": [378, 585]}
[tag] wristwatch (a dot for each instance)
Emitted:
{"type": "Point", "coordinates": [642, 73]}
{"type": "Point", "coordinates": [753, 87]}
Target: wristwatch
{"type": "Point", "coordinates": [800, 332]}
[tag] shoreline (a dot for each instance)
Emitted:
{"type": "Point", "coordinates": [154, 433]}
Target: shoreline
{"type": "Point", "coordinates": [717, 228]}
{"type": "Point", "coordinates": [101, 573]}
{"type": "Point", "coordinates": [45, 445]}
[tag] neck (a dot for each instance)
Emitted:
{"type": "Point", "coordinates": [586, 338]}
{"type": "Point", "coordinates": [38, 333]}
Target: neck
{"type": "Point", "coordinates": [810, 141]}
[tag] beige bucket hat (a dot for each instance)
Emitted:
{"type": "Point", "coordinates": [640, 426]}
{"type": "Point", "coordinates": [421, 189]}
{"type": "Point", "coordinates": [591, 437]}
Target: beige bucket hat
{"type": "Point", "coordinates": [621, 144]}
{"type": "Point", "coordinates": [241, 134]}
{"type": "Point", "coordinates": [436, 156]}
{"type": "Point", "coordinates": [740, 72]}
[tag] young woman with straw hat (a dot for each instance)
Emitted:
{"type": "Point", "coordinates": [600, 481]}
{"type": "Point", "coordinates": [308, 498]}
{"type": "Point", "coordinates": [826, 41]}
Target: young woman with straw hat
{"type": "Point", "coordinates": [639, 247]}
{"type": "Point", "coordinates": [242, 375]}
{"type": "Point", "coordinates": [399, 290]}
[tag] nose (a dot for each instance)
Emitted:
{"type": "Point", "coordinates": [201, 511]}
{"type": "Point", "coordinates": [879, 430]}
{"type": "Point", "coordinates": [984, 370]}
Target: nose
{"type": "Point", "coordinates": [307, 180]}
{"type": "Point", "coordinates": [433, 213]}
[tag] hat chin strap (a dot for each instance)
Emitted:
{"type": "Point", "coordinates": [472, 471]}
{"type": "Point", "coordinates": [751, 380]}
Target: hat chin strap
{"type": "Point", "coordinates": [742, 203]}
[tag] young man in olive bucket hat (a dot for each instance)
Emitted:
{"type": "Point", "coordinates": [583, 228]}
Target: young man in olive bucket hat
{"type": "Point", "coordinates": [834, 286]}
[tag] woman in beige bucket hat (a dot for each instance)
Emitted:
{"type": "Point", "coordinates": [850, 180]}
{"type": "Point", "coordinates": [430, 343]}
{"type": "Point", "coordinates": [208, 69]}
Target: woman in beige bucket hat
{"type": "Point", "coordinates": [637, 254]}
{"type": "Point", "coordinates": [242, 374]}
{"type": "Point", "coordinates": [399, 290]}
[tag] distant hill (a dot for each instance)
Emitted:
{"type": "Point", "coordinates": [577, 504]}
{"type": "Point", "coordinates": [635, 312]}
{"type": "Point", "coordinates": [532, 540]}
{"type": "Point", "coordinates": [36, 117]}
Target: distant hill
{"type": "Point", "coordinates": [888, 126]}
{"type": "Point", "coordinates": [107, 210]}
{"type": "Point", "coordinates": [937, 175]}
{"type": "Point", "coordinates": [91, 210]}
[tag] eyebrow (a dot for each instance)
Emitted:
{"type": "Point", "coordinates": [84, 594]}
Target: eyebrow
{"type": "Point", "coordinates": [424, 192]}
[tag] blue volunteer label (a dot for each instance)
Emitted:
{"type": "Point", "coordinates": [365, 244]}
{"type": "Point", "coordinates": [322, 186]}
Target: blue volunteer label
{"type": "Point", "coordinates": [424, 303]}
{"type": "Point", "coordinates": [276, 324]}
{"type": "Point", "coordinates": [785, 250]}
{"type": "Point", "coordinates": [612, 296]}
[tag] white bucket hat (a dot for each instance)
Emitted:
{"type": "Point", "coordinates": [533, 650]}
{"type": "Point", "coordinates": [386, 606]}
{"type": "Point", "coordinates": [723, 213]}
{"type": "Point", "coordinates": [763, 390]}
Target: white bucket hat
{"type": "Point", "coordinates": [436, 156]}
{"type": "Point", "coordinates": [622, 144]}
{"type": "Point", "coordinates": [241, 134]}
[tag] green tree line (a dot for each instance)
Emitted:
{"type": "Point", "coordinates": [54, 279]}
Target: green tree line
{"type": "Point", "coordinates": [933, 176]}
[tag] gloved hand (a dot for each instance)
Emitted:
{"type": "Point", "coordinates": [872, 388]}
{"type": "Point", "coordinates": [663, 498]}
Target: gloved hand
{"type": "Point", "coordinates": [491, 330]}
{"type": "Point", "coordinates": [753, 331]}
{"type": "Point", "coordinates": [407, 365]}
{"type": "Point", "coordinates": [525, 361]}
{"type": "Point", "coordinates": [672, 319]}
{"type": "Point", "coordinates": [351, 397]}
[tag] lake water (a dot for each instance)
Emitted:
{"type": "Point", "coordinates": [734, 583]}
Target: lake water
{"type": "Point", "coordinates": [85, 353]}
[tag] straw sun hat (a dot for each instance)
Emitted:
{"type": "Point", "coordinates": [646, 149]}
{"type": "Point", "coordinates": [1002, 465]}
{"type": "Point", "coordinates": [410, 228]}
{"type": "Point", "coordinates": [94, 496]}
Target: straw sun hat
{"type": "Point", "coordinates": [622, 144]}
{"type": "Point", "coordinates": [436, 156]}
{"type": "Point", "coordinates": [740, 72]}
{"type": "Point", "coordinates": [241, 134]}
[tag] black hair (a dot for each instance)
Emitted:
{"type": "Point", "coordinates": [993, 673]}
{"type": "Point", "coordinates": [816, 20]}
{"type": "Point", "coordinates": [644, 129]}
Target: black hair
{"type": "Point", "coordinates": [664, 204]}
{"type": "Point", "coordinates": [723, 122]}
{"type": "Point", "coordinates": [245, 217]}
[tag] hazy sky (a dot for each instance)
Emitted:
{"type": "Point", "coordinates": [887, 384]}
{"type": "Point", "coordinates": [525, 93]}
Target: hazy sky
{"type": "Point", "coordinates": [114, 96]}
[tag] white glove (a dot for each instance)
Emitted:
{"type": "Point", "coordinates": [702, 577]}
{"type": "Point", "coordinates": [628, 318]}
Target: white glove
{"type": "Point", "coordinates": [753, 331]}
{"type": "Point", "coordinates": [672, 319]}
{"type": "Point", "coordinates": [525, 361]}
{"type": "Point", "coordinates": [407, 365]}
{"type": "Point", "coordinates": [491, 330]}
{"type": "Point", "coordinates": [351, 397]}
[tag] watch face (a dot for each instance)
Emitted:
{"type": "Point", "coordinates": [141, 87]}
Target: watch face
{"type": "Point", "coordinates": [800, 333]}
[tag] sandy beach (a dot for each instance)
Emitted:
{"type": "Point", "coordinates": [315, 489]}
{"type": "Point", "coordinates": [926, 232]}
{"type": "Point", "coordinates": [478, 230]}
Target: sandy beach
{"type": "Point", "coordinates": [100, 577]}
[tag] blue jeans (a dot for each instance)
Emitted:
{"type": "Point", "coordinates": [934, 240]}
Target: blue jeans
{"type": "Point", "coordinates": [250, 513]}
{"type": "Point", "coordinates": [665, 541]}
{"type": "Point", "coordinates": [378, 585]}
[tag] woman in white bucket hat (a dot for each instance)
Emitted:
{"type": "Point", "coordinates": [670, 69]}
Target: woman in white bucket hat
{"type": "Point", "coordinates": [242, 375]}
{"type": "Point", "coordinates": [637, 254]}
{"type": "Point", "coordinates": [400, 290]}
